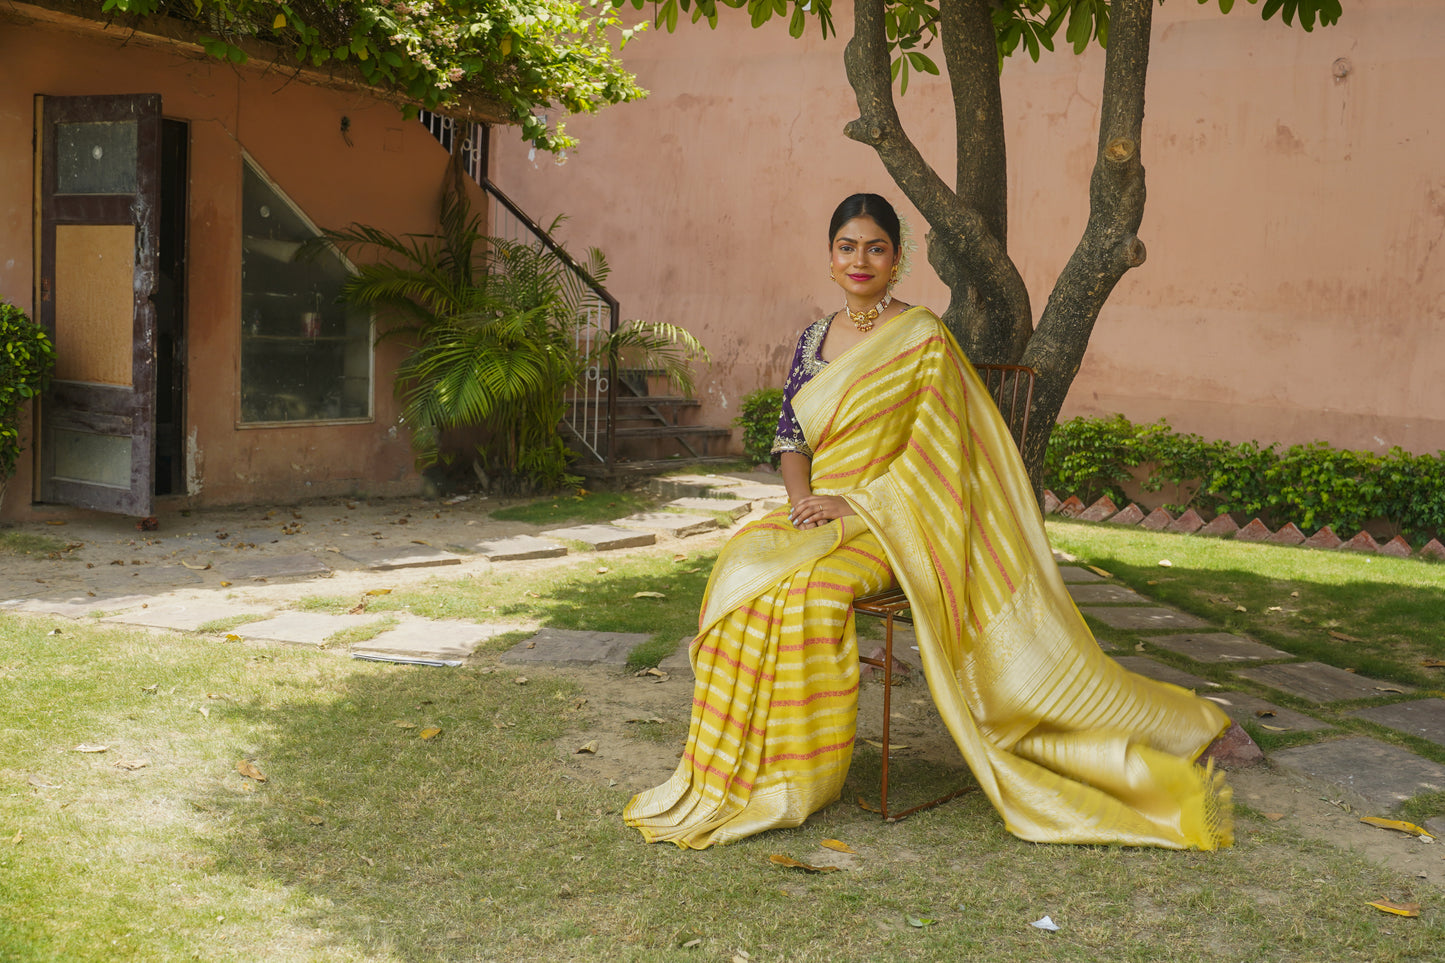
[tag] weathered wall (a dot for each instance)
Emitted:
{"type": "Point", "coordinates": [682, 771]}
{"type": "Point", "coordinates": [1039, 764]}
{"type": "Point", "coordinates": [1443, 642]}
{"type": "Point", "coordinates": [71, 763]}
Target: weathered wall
{"type": "Point", "coordinates": [1294, 277]}
{"type": "Point", "coordinates": [390, 176]}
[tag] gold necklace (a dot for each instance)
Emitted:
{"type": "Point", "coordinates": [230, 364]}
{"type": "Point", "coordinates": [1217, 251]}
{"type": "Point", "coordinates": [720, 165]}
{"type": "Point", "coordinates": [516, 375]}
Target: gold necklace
{"type": "Point", "coordinates": [863, 320]}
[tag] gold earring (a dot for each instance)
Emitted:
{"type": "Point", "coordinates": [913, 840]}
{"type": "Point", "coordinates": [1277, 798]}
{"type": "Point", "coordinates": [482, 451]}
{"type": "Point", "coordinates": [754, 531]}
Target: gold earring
{"type": "Point", "coordinates": [893, 277]}
{"type": "Point", "coordinates": [830, 275]}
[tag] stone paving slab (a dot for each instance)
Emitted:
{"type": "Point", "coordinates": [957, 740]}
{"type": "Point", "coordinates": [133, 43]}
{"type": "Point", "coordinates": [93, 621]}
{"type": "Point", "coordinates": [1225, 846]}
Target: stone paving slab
{"type": "Point", "coordinates": [1074, 573]}
{"type": "Point", "coordinates": [427, 641]}
{"type": "Point", "coordinates": [1318, 682]}
{"type": "Point", "coordinates": [142, 575]}
{"type": "Point", "coordinates": [678, 661]}
{"type": "Point", "coordinates": [575, 647]}
{"type": "Point", "coordinates": [78, 606]}
{"type": "Point", "coordinates": [1374, 776]}
{"type": "Point", "coordinates": [186, 616]}
{"type": "Point", "coordinates": [302, 628]}
{"type": "Point", "coordinates": [1424, 718]}
{"type": "Point", "coordinates": [409, 556]}
{"type": "Point", "coordinates": [1147, 667]}
{"type": "Point", "coordinates": [735, 508]}
{"type": "Point", "coordinates": [602, 538]}
{"type": "Point", "coordinates": [1153, 617]}
{"type": "Point", "coordinates": [692, 486]}
{"type": "Point", "coordinates": [669, 523]}
{"type": "Point", "coordinates": [1086, 593]}
{"type": "Point", "coordinates": [304, 565]}
{"type": "Point", "coordinates": [1243, 707]}
{"type": "Point", "coordinates": [518, 548]}
{"type": "Point", "coordinates": [770, 496]}
{"type": "Point", "coordinates": [1217, 647]}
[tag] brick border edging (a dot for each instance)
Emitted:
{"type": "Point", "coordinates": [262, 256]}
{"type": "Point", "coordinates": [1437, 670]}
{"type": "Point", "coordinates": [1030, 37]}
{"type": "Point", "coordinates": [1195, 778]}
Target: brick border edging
{"type": "Point", "coordinates": [1223, 526]}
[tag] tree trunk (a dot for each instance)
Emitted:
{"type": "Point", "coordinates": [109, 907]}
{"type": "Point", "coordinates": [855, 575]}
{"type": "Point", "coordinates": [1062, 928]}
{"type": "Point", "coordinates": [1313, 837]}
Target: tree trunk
{"type": "Point", "coordinates": [989, 311]}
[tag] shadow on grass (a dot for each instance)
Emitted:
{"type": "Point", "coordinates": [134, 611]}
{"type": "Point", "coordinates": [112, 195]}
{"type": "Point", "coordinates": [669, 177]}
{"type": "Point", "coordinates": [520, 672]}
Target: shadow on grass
{"type": "Point", "coordinates": [410, 848]}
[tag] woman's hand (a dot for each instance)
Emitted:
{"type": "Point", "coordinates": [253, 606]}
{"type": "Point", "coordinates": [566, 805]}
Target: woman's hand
{"type": "Point", "coordinates": [814, 510]}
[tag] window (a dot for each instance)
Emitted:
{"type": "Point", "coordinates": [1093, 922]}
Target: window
{"type": "Point", "coordinates": [305, 357]}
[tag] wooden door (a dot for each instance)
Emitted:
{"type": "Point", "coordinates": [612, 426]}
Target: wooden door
{"type": "Point", "coordinates": [99, 193]}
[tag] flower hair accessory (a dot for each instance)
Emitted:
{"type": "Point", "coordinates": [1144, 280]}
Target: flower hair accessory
{"type": "Point", "coordinates": [906, 247]}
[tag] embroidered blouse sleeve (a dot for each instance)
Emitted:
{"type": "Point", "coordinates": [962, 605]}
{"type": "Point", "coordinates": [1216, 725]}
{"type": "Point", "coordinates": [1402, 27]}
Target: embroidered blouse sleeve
{"type": "Point", "coordinates": [806, 363]}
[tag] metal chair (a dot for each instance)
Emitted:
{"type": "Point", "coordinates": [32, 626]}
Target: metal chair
{"type": "Point", "coordinates": [1011, 387]}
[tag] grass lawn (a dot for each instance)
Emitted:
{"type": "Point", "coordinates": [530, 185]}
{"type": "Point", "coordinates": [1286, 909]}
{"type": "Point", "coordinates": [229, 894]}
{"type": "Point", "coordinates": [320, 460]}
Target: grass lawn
{"type": "Point", "coordinates": [583, 506]}
{"type": "Point", "coordinates": [368, 842]}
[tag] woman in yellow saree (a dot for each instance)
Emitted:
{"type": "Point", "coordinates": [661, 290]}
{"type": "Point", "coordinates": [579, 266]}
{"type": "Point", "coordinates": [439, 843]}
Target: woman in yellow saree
{"type": "Point", "coordinates": [900, 470]}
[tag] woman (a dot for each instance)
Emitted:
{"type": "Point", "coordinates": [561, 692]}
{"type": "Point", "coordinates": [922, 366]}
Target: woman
{"type": "Point", "coordinates": [899, 470]}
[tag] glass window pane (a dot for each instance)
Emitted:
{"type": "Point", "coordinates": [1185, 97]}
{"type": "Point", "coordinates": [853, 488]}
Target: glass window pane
{"type": "Point", "coordinates": [96, 157]}
{"type": "Point", "coordinates": [95, 459]}
{"type": "Point", "coordinates": [304, 356]}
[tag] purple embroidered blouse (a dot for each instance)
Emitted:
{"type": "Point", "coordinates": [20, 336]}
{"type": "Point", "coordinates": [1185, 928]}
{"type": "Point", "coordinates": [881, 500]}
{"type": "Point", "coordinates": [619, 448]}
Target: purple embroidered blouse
{"type": "Point", "coordinates": [807, 362]}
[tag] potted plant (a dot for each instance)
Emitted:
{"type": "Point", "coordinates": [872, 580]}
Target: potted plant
{"type": "Point", "coordinates": [26, 359]}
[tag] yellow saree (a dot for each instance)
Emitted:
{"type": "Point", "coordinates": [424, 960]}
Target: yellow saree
{"type": "Point", "coordinates": [1067, 745]}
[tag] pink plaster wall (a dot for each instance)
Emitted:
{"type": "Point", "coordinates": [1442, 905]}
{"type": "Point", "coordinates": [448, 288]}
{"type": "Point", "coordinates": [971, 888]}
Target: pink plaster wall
{"type": "Point", "coordinates": [1294, 277]}
{"type": "Point", "coordinates": [391, 177]}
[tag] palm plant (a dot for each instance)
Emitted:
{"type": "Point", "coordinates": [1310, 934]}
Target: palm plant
{"type": "Point", "coordinates": [494, 330]}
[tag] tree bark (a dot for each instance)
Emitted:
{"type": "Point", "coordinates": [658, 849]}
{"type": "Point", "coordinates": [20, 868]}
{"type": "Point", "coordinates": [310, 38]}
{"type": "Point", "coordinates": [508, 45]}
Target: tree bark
{"type": "Point", "coordinates": [989, 312]}
{"type": "Point", "coordinates": [1110, 244]}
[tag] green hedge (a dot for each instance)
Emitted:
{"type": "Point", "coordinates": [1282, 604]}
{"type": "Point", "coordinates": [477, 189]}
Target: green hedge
{"type": "Point", "coordinates": [1311, 485]}
{"type": "Point", "coordinates": [26, 358]}
{"type": "Point", "coordinates": [758, 418]}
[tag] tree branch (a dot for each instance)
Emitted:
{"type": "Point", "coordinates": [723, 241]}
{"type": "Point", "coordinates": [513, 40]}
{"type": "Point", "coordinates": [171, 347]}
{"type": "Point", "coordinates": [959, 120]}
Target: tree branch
{"type": "Point", "coordinates": [1110, 245]}
{"type": "Point", "coordinates": [971, 51]}
{"type": "Point", "coordinates": [988, 291]}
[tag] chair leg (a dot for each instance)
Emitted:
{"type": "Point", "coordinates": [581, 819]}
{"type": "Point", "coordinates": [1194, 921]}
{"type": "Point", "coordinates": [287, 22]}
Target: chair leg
{"type": "Point", "coordinates": [887, 704]}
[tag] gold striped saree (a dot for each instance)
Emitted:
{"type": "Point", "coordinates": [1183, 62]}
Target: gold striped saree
{"type": "Point", "coordinates": [1067, 745]}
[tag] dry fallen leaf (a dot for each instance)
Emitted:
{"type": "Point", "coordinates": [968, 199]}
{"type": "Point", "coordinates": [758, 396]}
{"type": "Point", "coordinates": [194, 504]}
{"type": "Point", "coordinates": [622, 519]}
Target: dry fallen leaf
{"type": "Point", "coordinates": [1389, 688]}
{"type": "Point", "coordinates": [590, 747]}
{"type": "Point", "coordinates": [1098, 571]}
{"type": "Point", "coordinates": [316, 821]}
{"type": "Point", "coordinates": [381, 591]}
{"type": "Point", "coordinates": [520, 680]}
{"type": "Point", "coordinates": [225, 585]}
{"type": "Point", "coordinates": [864, 804]}
{"type": "Point", "coordinates": [602, 570]}
{"type": "Point", "coordinates": [86, 747]}
{"type": "Point", "coordinates": [245, 768]}
{"type": "Point", "coordinates": [1399, 824]}
{"type": "Point", "coordinates": [404, 725]}
{"type": "Point", "coordinates": [1274, 728]}
{"type": "Point", "coordinates": [838, 846]}
{"type": "Point", "coordinates": [1274, 817]}
{"type": "Point", "coordinates": [892, 746]}
{"type": "Point", "coordinates": [39, 782]}
{"type": "Point", "coordinates": [691, 943]}
{"type": "Point", "coordinates": [779, 859]}
{"type": "Point", "coordinates": [1264, 713]}
{"type": "Point", "coordinates": [131, 765]}
{"type": "Point", "coordinates": [1399, 909]}
{"type": "Point", "coordinates": [18, 837]}
{"type": "Point", "coordinates": [198, 568]}
{"type": "Point", "coordinates": [431, 732]}
{"type": "Point", "coordinates": [648, 595]}
{"type": "Point", "coordinates": [1433, 663]}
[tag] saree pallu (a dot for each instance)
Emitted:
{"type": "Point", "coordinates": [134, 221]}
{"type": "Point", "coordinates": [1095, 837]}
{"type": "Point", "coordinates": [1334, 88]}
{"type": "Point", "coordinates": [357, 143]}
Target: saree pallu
{"type": "Point", "coordinates": [1068, 746]}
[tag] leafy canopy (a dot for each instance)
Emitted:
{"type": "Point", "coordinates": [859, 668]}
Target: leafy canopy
{"type": "Point", "coordinates": [913, 24]}
{"type": "Point", "coordinates": [528, 57]}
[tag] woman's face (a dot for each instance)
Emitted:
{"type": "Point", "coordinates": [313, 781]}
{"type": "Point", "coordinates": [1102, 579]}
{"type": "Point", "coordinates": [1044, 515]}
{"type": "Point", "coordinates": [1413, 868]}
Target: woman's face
{"type": "Point", "coordinates": [863, 258]}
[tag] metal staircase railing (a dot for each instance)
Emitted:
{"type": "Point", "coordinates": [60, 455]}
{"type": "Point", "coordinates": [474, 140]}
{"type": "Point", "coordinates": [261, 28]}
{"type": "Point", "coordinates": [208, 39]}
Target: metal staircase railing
{"type": "Point", "coordinates": [592, 402]}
